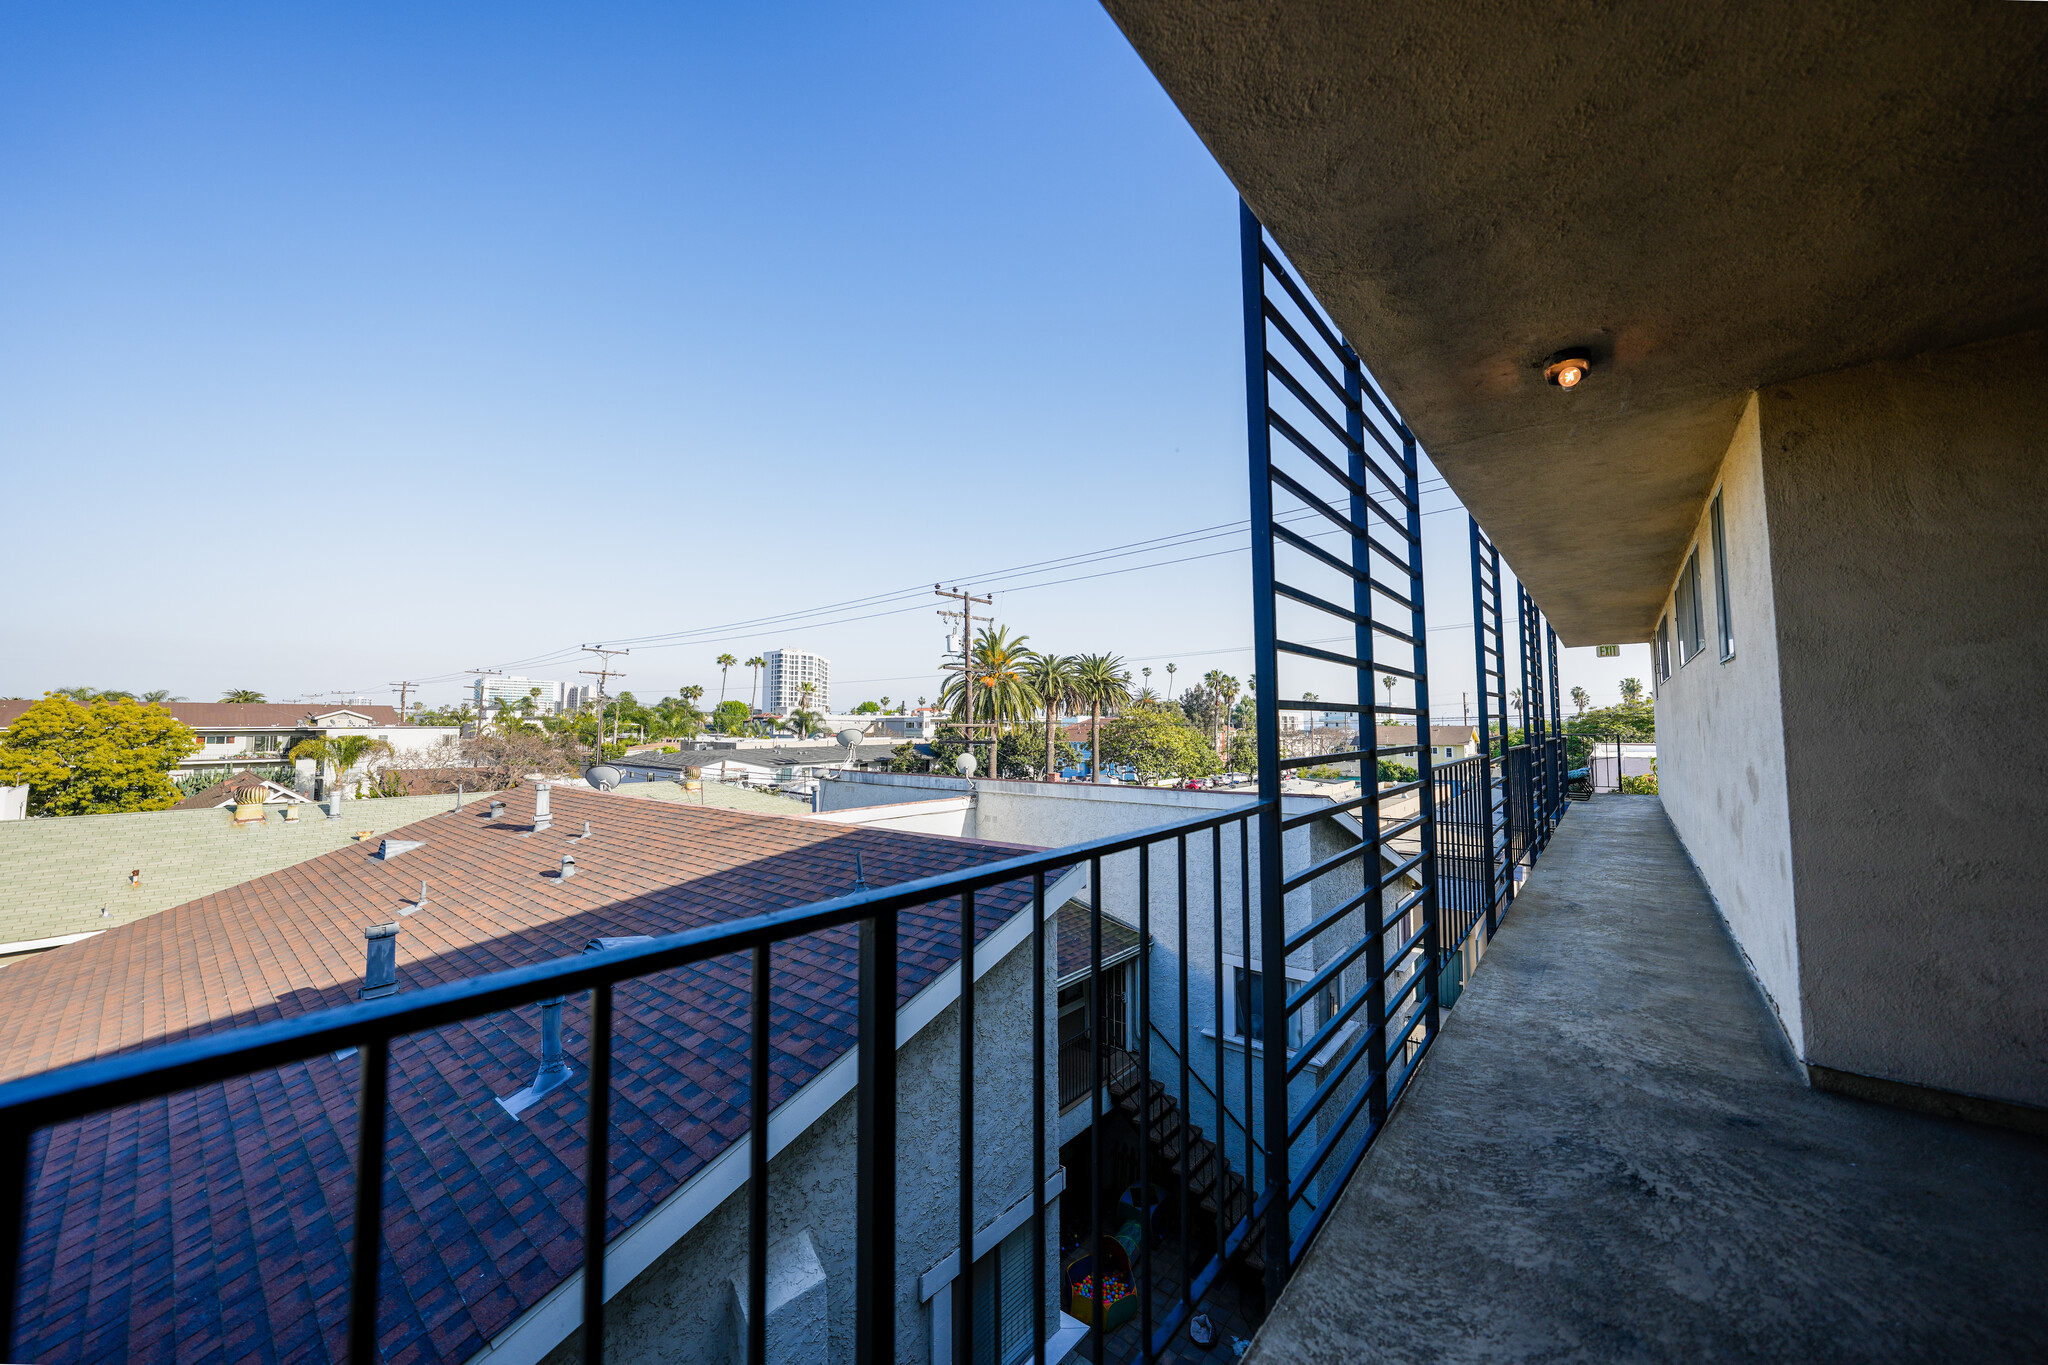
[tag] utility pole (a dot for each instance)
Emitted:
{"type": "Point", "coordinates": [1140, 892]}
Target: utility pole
{"type": "Point", "coordinates": [965, 616]}
{"type": "Point", "coordinates": [481, 674]}
{"type": "Point", "coordinates": [403, 689]}
{"type": "Point", "coordinates": [604, 672]}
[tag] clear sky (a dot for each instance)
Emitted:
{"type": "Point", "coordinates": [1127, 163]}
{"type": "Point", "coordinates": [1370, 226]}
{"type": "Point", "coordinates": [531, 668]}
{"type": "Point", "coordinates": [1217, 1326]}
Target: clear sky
{"type": "Point", "coordinates": [350, 344]}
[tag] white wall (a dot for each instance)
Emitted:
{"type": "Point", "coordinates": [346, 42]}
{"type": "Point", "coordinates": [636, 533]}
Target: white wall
{"type": "Point", "coordinates": [1721, 742]}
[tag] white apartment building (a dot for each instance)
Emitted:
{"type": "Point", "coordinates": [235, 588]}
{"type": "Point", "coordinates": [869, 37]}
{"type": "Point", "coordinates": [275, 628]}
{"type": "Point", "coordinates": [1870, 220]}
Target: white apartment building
{"type": "Point", "coordinates": [782, 684]}
{"type": "Point", "coordinates": [489, 689]}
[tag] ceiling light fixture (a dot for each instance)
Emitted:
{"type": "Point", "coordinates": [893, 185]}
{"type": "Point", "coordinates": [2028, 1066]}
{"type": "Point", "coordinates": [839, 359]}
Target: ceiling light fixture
{"type": "Point", "coordinates": [1567, 369]}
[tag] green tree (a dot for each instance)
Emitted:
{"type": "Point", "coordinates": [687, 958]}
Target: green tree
{"type": "Point", "coordinates": [1581, 699]}
{"type": "Point", "coordinates": [725, 664]}
{"type": "Point", "coordinates": [157, 697]}
{"type": "Point", "coordinates": [1159, 743]}
{"type": "Point", "coordinates": [343, 752]}
{"type": "Point", "coordinates": [76, 759]}
{"type": "Point", "coordinates": [757, 663]}
{"type": "Point", "coordinates": [241, 694]}
{"type": "Point", "coordinates": [802, 721]}
{"type": "Point", "coordinates": [1054, 678]}
{"type": "Point", "coordinates": [1632, 722]}
{"type": "Point", "coordinates": [1631, 689]}
{"type": "Point", "coordinates": [730, 718]}
{"type": "Point", "coordinates": [868, 708]}
{"type": "Point", "coordinates": [1104, 684]}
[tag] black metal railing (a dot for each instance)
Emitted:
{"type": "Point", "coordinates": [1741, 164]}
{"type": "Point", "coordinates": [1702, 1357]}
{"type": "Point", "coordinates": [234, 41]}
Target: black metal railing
{"type": "Point", "coordinates": [36, 1104]}
{"type": "Point", "coordinates": [1467, 852]}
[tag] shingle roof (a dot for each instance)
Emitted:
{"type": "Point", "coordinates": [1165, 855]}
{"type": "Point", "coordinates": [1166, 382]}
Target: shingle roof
{"type": "Point", "coordinates": [218, 1219]}
{"type": "Point", "coordinates": [789, 756]}
{"type": "Point", "coordinates": [221, 792]}
{"type": "Point", "coordinates": [1074, 950]}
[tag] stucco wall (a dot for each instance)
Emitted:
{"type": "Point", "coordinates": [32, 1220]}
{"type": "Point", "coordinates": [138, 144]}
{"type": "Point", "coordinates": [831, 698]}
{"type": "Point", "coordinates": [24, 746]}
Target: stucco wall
{"type": "Point", "coordinates": [1908, 507]}
{"type": "Point", "coordinates": [1721, 742]}
{"type": "Point", "coordinates": [679, 1310]}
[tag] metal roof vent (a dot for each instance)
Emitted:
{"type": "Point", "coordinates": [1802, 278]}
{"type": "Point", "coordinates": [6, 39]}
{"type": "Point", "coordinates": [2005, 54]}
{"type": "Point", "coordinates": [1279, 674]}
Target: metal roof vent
{"type": "Point", "coordinates": [860, 877]}
{"type": "Point", "coordinates": [387, 849]}
{"type": "Point", "coordinates": [380, 965]}
{"type": "Point", "coordinates": [497, 811]}
{"type": "Point", "coordinates": [599, 945]}
{"type": "Point", "coordinates": [568, 866]}
{"type": "Point", "coordinates": [541, 818]}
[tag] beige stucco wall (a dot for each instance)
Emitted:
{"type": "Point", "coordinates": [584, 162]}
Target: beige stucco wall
{"type": "Point", "coordinates": [1908, 513]}
{"type": "Point", "coordinates": [1721, 740]}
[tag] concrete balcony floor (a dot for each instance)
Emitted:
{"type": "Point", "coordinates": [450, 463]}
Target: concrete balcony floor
{"type": "Point", "coordinates": [1611, 1157]}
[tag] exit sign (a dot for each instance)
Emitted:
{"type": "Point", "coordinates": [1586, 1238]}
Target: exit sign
{"type": "Point", "coordinates": [1609, 652]}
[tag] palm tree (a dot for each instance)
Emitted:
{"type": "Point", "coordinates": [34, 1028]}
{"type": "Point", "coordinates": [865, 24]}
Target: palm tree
{"type": "Point", "coordinates": [241, 694]}
{"type": "Point", "coordinates": [1387, 681]}
{"type": "Point", "coordinates": [1102, 681]}
{"type": "Point", "coordinates": [757, 663]}
{"type": "Point", "coordinates": [343, 752]}
{"type": "Point", "coordinates": [1001, 691]}
{"type": "Point", "coordinates": [1581, 699]}
{"type": "Point", "coordinates": [801, 721]}
{"type": "Point", "coordinates": [1051, 676]}
{"type": "Point", "coordinates": [1226, 690]}
{"type": "Point", "coordinates": [724, 662]}
{"type": "Point", "coordinates": [158, 697]}
{"type": "Point", "coordinates": [1169, 680]}
{"type": "Point", "coordinates": [1631, 689]}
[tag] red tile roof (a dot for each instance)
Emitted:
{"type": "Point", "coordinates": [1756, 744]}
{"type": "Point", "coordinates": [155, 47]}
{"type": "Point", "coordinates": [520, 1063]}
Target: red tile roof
{"type": "Point", "coordinates": [218, 1219]}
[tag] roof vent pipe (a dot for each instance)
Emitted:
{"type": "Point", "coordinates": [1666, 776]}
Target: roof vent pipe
{"type": "Point", "coordinates": [497, 810]}
{"type": "Point", "coordinates": [541, 818]}
{"type": "Point", "coordinates": [380, 966]}
{"type": "Point", "coordinates": [568, 866]}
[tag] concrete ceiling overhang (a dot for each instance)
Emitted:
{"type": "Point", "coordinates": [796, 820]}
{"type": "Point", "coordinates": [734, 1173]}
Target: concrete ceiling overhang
{"type": "Point", "coordinates": [1711, 197]}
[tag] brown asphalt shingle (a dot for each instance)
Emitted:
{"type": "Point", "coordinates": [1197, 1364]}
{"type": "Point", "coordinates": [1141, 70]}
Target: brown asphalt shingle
{"type": "Point", "coordinates": [214, 1224]}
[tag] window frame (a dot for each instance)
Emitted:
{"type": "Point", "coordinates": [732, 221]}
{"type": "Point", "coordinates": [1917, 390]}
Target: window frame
{"type": "Point", "coordinates": [1724, 610]}
{"type": "Point", "coordinates": [1305, 1021]}
{"type": "Point", "coordinates": [1661, 665]}
{"type": "Point", "coordinates": [1687, 621]}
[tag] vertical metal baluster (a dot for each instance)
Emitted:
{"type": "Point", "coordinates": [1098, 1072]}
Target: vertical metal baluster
{"type": "Point", "coordinates": [1419, 627]}
{"type": "Point", "coordinates": [1187, 1169]}
{"type": "Point", "coordinates": [1485, 728]}
{"type": "Point", "coordinates": [1098, 1037]}
{"type": "Point", "coordinates": [14, 1143]}
{"type": "Point", "coordinates": [1145, 1099]}
{"type": "Point", "coordinates": [874, 1335]}
{"type": "Point", "coordinates": [1506, 892]}
{"type": "Point", "coordinates": [597, 1172]}
{"type": "Point", "coordinates": [1038, 1117]}
{"type": "Point", "coordinates": [963, 1285]}
{"type": "Point", "coordinates": [1251, 1107]}
{"type": "Point", "coordinates": [1220, 1139]}
{"type": "Point", "coordinates": [372, 1113]}
{"type": "Point", "coordinates": [757, 1177]}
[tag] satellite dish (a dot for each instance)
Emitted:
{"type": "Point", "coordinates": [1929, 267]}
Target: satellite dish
{"type": "Point", "coordinates": [967, 765]}
{"type": "Point", "coordinates": [849, 737]}
{"type": "Point", "coordinates": [602, 776]}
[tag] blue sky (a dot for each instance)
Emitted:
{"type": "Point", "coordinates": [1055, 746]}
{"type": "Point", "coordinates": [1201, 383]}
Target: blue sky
{"type": "Point", "coordinates": [340, 346]}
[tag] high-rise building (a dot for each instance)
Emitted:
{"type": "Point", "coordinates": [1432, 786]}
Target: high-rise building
{"type": "Point", "coordinates": [489, 688]}
{"type": "Point", "coordinates": [782, 683]}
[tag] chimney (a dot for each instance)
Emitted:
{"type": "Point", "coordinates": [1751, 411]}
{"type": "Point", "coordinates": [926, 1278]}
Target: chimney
{"type": "Point", "coordinates": [380, 969]}
{"type": "Point", "coordinates": [541, 818]}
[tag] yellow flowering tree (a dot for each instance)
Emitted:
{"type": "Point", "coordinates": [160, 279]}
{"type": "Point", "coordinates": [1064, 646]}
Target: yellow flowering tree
{"type": "Point", "coordinates": [115, 754]}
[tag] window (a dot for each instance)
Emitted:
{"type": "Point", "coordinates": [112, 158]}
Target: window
{"type": "Point", "coordinates": [1724, 620]}
{"type": "Point", "coordinates": [1002, 1300]}
{"type": "Point", "coordinates": [1247, 1002]}
{"type": "Point", "coordinates": [1662, 663]}
{"type": "Point", "coordinates": [220, 739]}
{"type": "Point", "coordinates": [1692, 633]}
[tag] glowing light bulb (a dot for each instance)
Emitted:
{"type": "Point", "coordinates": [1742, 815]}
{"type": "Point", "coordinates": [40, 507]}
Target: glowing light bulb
{"type": "Point", "coordinates": [1569, 376]}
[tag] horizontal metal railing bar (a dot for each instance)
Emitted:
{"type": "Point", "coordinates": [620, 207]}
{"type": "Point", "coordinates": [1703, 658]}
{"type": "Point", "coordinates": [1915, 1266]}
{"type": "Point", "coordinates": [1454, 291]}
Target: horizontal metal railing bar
{"type": "Point", "coordinates": [1317, 552]}
{"type": "Point", "coordinates": [1309, 599]}
{"type": "Point", "coordinates": [1339, 756]}
{"type": "Point", "coordinates": [1306, 352]}
{"type": "Point", "coordinates": [1329, 513]}
{"type": "Point", "coordinates": [1350, 907]}
{"type": "Point", "coordinates": [1314, 315]}
{"type": "Point", "coordinates": [1278, 369]}
{"type": "Point", "coordinates": [86, 1087]}
{"type": "Point", "coordinates": [1334, 1077]}
{"type": "Point", "coordinates": [1396, 1087]}
{"type": "Point", "coordinates": [1348, 661]}
{"type": "Point", "coordinates": [1344, 807]}
{"type": "Point", "coordinates": [1386, 792]}
{"type": "Point", "coordinates": [1329, 864]}
{"type": "Point", "coordinates": [1316, 453]}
